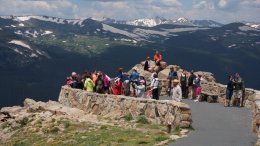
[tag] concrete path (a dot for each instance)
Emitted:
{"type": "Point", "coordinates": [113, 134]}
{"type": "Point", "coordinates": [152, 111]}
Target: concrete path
{"type": "Point", "coordinates": [216, 125]}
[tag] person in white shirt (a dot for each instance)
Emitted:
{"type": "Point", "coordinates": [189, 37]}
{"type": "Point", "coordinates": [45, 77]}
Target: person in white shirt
{"type": "Point", "coordinates": [154, 87]}
{"type": "Point", "coordinates": [176, 91]}
{"type": "Point", "coordinates": [140, 89]}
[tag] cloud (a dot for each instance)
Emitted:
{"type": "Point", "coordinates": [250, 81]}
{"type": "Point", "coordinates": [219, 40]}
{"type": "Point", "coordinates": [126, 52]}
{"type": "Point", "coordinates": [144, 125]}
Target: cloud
{"type": "Point", "coordinates": [251, 3]}
{"type": "Point", "coordinates": [222, 3]}
{"type": "Point", "coordinates": [219, 10]}
{"type": "Point", "coordinates": [204, 5]}
{"type": "Point", "coordinates": [114, 5]}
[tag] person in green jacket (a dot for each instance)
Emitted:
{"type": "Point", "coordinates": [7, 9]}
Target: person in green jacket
{"type": "Point", "coordinates": [89, 84]}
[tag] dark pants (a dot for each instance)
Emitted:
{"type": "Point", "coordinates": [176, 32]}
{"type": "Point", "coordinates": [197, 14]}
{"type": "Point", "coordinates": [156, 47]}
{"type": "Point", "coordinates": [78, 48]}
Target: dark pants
{"type": "Point", "coordinates": [184, 91]}
{"type": "Point", "coordinates": [229, 94]}
{"type": "Point", "coordinates": [155, 93]}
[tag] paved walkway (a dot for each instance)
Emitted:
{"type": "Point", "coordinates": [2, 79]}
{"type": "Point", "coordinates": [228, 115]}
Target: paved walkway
{"type": "Point", "coordinates": [216, 125]}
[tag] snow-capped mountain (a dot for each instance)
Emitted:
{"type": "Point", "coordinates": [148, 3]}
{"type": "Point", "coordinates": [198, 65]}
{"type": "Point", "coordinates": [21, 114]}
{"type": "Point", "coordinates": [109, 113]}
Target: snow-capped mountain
{"type": "Point", "coordinates": [206, 23]}
{"type": "Point", "coordinates": [253, 25]}
{"type": "Point", "coordinates": [151, 22]}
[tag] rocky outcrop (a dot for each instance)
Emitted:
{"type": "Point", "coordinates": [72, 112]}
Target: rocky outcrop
{"type": "Point", "coordinates": [13, 118]}
{"type": "Point", "coordinates": [116, 107]}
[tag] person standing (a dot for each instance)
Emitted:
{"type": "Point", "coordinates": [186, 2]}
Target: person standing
{"type": "Point", "coordinates": [106, 80]}
{"type": "Point", "coordinates": [229, 91]}
{"type": "Point", "coordinates": [89, 84]}
{"type": "Point", "coordinates": [238, 90]}
{"type": "Point", "coordinates": [134, 80]}
{"type": "Point", "coordinates": [191, 85]}
{"type": "Point", "coordinates": [154, 87]}
{"type": "Point", "coordinates": [184, 84]}
{"type": "Point", "coordinates": [197, 88]}
{"type": "Point", "coordinates": [94, 76]}
{"type": "Point", "coordinates": [140, 89]}
{"type": "Point", "coordinates": [171, 76]}
{"type": "Point", "coordinates": [117, 89]}
{"type": "Point", "coordinates": [176, 91]}
{"type": "Point", "coordinates": [99, 84]}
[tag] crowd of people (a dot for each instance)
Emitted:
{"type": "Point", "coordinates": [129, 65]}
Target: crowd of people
{"type": "Point", "coordinates": [185, 85]}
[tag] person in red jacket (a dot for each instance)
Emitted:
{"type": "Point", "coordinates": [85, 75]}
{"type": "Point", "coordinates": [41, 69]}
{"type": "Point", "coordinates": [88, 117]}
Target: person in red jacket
{"type": "Point", "coordinates": [117, 89]}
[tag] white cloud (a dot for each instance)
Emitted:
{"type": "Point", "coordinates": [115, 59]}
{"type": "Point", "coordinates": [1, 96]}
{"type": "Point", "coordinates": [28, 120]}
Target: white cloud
{"type": "Point", "coordinates": [219, 10]}
{"type": "Point", "coordinates": [204, 5]}
{"type": "Point", "coordinates": [252, 3]}
{"type": "Point", "coordinates": [222, 3]}
{"type": "Point", "coordinates": [171, 3]}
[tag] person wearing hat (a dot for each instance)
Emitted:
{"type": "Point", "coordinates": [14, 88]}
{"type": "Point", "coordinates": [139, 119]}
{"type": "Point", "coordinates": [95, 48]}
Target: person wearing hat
{"type": "Point", "coordinates": [140, 89]}
{"type": "Point", "coordinates": [176, 91]}
{"type": "Point", "coordinates": [117, 89]}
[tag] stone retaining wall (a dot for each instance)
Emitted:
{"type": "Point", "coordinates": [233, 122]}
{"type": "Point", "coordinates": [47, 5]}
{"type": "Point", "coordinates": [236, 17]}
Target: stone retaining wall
{"type": "Point", "coordinates": [116, 107]}
{"type": "Point", "coordinates": [255, 107]}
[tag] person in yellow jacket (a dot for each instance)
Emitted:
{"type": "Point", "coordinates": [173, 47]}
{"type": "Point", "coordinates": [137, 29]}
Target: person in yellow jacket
{"type": "Point", "coordinates": [89, 84]}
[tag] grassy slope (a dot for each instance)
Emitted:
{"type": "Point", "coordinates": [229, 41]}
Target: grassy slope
{"type": "Point", "coordinates": [65, 132]}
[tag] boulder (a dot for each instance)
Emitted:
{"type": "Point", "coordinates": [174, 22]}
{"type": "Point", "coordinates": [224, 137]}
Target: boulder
{"type": "Point", "coordinates": [140, 69]}
{"type": "Point", "coordinates": [207, 76]}
{"type": "Point", "coordinates": [165, 72]}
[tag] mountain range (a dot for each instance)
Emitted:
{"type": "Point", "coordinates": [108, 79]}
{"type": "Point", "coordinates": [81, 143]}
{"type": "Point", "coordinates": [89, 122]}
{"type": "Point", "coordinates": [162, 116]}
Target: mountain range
{"type": "Point", "coordinates": [38, 52]}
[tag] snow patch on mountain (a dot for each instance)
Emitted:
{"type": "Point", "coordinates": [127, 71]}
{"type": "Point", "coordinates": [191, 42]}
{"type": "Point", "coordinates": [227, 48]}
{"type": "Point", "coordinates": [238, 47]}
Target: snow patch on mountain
{"type": "Point", "coordinates": [75, 22]}
{"type": "Point", "coordinates": [20, 43]}
{"type": "Point", "coordinates": [22, 18]}
{"type": "Point", "coordinates": [175, 30]}
{"type": "Point", "coordinates": [182, 20]}
{"type": "Point", "coordinates": [248, 28]}
{"type": "Point", "coordinates": [145, 22]}
{"type": "Point", "coordinates": [147, 32]}
{"type": "Point", "coordinates": [43, 18]}
{"type": "Point", "coordinates": [34, 34]}
{"type": "Point", "coordinates": [47, 32]}
{"type": "Point", "coordinates": [231, 46]}
{"type": "Point", "coordinates": [21, 24]}
{"type": "Point", "coordinates": [18, 32]}
{"type": "Point", "coordinates": [253, 25]}
{"type": "Point", "coordinates": [33, 55]}
{"type": "Point", "coordinates": [17, 51]}
{"type": "Point", "coordinates": [122, 32]}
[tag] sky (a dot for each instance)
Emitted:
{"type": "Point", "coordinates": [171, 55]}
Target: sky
{"type": "Point", "coordinates": [224, 11]}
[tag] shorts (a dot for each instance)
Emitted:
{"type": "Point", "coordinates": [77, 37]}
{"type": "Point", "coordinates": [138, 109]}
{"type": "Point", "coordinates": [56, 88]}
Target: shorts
{"type": "Point", "coordinates": [238, 94]}
{"type": "Point", "coordinates": [197, 91]}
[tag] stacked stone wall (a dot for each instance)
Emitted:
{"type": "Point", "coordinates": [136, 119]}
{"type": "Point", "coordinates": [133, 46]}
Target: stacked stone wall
{"type": "Point", "coordinates": [116, 107]}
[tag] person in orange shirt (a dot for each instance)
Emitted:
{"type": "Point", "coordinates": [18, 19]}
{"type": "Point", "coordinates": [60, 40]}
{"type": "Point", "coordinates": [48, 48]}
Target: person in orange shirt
{"type": "Point", "coordinates": [157, 58]}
